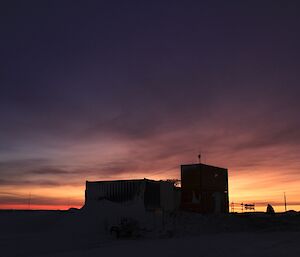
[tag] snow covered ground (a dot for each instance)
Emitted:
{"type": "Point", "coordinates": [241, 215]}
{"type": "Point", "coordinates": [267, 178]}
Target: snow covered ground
{"type": "Point", "coordinates": [82, 234]}
{"type": "Point", "coordinates": [224, 244]}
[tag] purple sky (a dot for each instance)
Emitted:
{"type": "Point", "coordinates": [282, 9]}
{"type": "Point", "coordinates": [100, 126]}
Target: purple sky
{"type": "Point", "coordinates": [118, 89]}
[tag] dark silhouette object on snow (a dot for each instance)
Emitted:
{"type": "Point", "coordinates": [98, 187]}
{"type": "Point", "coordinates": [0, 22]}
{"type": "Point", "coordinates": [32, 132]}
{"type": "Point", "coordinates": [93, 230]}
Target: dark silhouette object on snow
{"type": "Point", "coordinates": [126, 228]}
{"type": "Point", "coordinates": [270, 209]}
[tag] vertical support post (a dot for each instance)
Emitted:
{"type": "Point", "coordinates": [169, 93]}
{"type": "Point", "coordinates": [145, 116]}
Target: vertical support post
{"type": "Point", "coordinates": [29, 201]}
{"type": "Point", "coordinates": [284, 201]}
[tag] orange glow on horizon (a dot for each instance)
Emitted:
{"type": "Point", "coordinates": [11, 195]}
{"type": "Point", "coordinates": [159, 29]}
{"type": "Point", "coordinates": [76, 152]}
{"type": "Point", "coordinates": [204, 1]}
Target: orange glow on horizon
{"type": "Point", "coordinates": [260, 187]}
{"type": "Point", "coordinates": [37, 207]}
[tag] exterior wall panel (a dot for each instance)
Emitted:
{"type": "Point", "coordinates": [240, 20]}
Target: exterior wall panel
{"type": "Point", "coordinates": [204, 188]}
{"type": "Point", "coordinates": [154, 194]}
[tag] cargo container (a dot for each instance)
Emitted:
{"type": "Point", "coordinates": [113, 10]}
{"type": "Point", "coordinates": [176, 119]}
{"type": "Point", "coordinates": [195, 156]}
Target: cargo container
{"type": "Point", "coordinates": [154, 195]}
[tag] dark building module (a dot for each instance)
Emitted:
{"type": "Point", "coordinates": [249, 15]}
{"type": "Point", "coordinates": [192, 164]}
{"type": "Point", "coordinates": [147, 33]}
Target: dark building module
{"type": "Point", "coordinates": [204, 188]}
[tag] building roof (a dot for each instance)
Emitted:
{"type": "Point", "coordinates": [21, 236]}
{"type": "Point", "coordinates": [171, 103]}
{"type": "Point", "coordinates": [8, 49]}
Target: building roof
{"type": "Point", "coordinates": [201, 165]}
{"type": "Point", "coordinates": [123, 180]}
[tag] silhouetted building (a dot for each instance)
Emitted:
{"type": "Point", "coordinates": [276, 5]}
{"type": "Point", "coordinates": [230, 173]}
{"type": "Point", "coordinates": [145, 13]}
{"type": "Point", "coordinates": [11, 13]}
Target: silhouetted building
{"type": "Point", "coordinates": [204, 188]}
{"type": "Point", "coordinates": [154, 195]}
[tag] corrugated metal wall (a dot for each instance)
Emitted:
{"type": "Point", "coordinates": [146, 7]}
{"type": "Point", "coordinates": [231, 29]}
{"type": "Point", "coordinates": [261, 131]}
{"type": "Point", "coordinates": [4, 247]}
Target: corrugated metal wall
{"type": "Point", "coordinates": [154, 194]}
{"type": "Point", "coordinates": [115, 191]}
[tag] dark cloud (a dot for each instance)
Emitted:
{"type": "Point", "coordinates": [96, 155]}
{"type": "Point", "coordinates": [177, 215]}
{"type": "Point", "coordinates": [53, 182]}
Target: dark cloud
{"type": "Point", "coordinates": [49, 171]}
{"type": "Point", "coordinates": [270, 137]}
{"type": "Point", "coordinates": [20, 163]}
{"type": "Point", "coordinates": [33, 183]}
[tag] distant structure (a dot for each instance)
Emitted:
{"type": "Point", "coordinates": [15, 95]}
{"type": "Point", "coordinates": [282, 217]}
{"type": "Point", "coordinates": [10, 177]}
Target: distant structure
{"type": "Point", "coordinates": [153, 195]}
{"type": "Point", "coordinates": [242, 206]}
{"type": "Point", "coordinates": [204, 188]}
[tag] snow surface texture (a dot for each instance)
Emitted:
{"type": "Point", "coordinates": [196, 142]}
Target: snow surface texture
{"type": "Point", "coordinates": [86, 233]}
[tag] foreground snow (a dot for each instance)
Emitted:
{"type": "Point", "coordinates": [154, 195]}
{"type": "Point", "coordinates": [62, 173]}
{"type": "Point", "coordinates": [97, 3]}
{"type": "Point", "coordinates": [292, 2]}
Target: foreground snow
{"type": "Point", "coordinates": [84, 234]}
{"type": "Point", "coordinates": [233, 244]}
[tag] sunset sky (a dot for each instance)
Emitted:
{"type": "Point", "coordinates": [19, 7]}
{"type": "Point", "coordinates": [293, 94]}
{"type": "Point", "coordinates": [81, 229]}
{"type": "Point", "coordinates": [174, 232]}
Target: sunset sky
{"type": "Point", "coordinates": [101, 90]}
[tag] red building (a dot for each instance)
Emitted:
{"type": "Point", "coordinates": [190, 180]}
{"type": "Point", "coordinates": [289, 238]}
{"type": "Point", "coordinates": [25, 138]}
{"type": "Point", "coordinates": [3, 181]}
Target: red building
{"type": "Point", "coordinates": [204, 188]}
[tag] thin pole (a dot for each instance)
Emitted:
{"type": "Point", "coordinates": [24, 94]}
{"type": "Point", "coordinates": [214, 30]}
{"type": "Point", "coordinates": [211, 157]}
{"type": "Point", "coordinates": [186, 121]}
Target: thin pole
{"type": "Point", "coordinates": [199, 157]}
{"type": "Point", "coordinates": [29, 201]}
{"type": "Point", "coordinates": [284, 201]}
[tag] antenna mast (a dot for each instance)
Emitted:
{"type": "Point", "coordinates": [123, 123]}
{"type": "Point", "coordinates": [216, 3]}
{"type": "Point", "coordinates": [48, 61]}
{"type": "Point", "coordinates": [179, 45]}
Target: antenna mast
{"type": "Point", "coordinates": [284, 201]}
{"type": "Point", "coordinates": [29, 201]}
